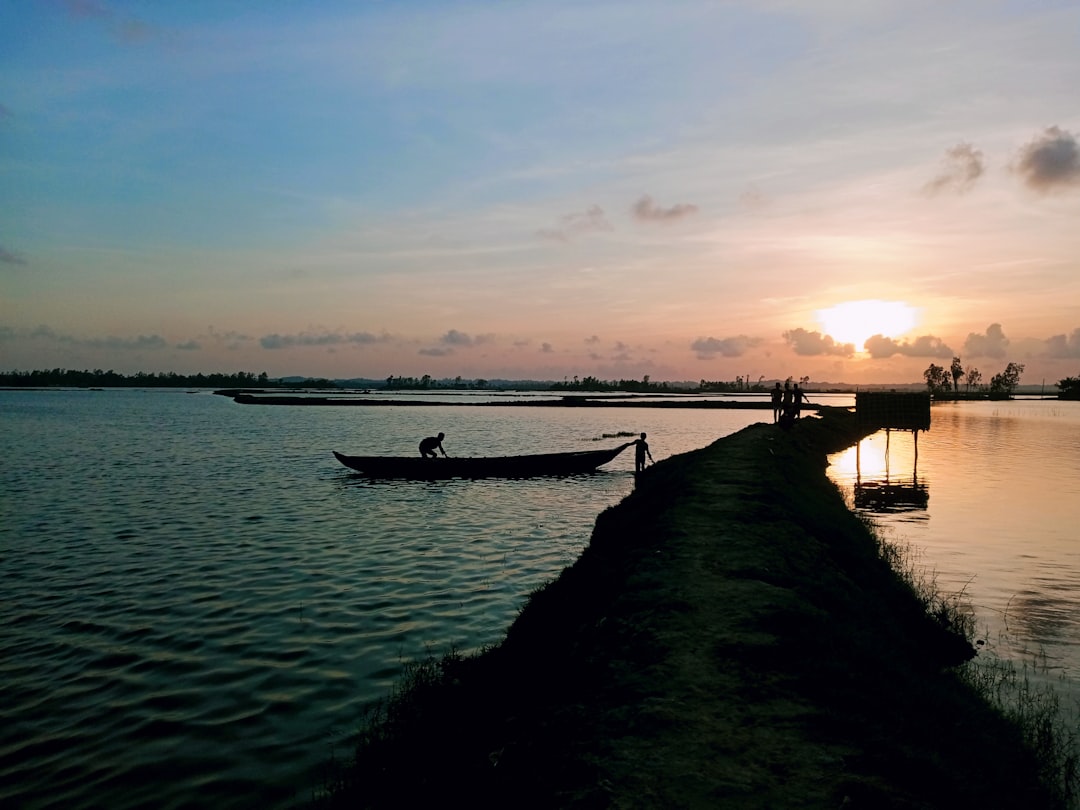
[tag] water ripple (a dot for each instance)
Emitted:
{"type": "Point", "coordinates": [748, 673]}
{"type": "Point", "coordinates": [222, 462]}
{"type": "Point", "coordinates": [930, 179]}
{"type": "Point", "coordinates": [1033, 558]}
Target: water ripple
{"type": "Point", "coordinates": [194, 606]}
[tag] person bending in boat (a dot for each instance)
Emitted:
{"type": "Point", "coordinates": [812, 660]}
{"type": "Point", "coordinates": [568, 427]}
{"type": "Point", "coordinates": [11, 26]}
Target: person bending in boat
{"type": "Point", "coordinates": [430, 444]}
{"type": "Point", "coordinates": [641, 450]}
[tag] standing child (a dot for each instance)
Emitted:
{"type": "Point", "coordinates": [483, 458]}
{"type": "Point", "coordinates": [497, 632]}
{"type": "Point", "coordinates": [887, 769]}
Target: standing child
{"type": "Point", "coordinates": [641, 450]}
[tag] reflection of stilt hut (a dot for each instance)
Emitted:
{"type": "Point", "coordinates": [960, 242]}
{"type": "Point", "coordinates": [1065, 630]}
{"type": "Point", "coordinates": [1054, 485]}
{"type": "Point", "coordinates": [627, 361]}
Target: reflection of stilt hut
{"type": "Point", "coordinates": [891, 411]}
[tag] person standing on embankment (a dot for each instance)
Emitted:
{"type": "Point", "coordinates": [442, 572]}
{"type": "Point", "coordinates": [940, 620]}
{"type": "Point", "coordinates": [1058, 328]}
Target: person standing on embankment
{"type": "Point", "coordinates": [641, 450]}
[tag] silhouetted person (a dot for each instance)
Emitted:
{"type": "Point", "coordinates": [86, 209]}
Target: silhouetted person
{"type": "Point", "coordinates": [797, 399]}
{"type": "Point", "coordinates": [777, 402]}
{"type": "Point", "coordinates": [429, 445]}
{"type": "Point", "coordinates": [641, 450]}
{"type": "Point", "coordinates": [787, 415]}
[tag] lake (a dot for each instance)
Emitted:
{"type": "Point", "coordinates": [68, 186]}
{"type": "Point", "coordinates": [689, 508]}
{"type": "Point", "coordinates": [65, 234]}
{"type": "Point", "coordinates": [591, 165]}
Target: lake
{"type": "Point", "coordinates": [988, 501]}
{"type": "Point", "coordinates": [199, 601]}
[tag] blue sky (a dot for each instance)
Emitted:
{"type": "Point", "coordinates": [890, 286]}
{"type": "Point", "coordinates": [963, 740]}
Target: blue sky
{"type": "Point", "coordinates": [536, 190]}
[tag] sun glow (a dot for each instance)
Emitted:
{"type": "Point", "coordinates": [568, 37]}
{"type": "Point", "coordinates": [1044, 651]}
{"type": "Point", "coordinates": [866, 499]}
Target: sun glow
{"type": "Point", "coordinates": [855, 321]}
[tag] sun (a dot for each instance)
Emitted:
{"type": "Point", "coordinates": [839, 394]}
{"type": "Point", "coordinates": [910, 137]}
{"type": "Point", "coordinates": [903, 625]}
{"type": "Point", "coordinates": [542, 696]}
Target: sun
{"type": "Point", "coordinates": [855, 321]}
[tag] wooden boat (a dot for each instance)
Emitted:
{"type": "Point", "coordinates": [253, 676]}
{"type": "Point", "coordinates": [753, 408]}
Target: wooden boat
{"type": "Point", "coordinates": [582, 461]}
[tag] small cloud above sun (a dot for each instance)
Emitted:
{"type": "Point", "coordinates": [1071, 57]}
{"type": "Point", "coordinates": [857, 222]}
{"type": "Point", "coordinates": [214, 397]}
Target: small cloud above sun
{"type": "Point", "coordinates": [855, 321]}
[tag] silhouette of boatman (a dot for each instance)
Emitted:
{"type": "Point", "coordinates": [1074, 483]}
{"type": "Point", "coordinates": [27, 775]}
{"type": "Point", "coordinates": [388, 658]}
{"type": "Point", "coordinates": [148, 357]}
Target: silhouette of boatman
{"type": "Point", "coordinates": [429, 445]}
{"type": "Point", "coordinates": [641, 449]}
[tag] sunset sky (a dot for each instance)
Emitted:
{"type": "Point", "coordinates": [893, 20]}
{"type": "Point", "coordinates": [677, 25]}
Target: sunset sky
{"type": "Point", "coordinates": [536, 190]}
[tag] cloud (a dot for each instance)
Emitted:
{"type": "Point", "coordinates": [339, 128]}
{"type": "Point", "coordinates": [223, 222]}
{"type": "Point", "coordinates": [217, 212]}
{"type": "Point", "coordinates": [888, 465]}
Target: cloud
{"type": "Point", "coordinates": [230, 338]}
{"type": "Point", "coordinates": [1064, 347]}
{"type": "Point", "coordinates": [578, 224]}
{"type": "Point", "coordinates": [276, 341]}
{"type": "Point", "coordinates": [707, 348]}
{"type": "Point", "coordinates": [456, 338]}
{"type": "Point", "coordinates": [1051, 161]}
{"type": "Point", "coordinates": [7, 257]}
{"type": "Point", "coordinates": [814, 343]}
{"type": "Point", "coordinates": [880, 346]}
{"type": "Point", "coordinates": [963, 165]}
{"type": "Point", "coordinates": [753, 199]}
{"type": "Point", "coordinates": [992, 344]}
{"type": "Point", "coordinates": [645, 210]}
{"type": "Point", "coordinates": [142, 342]}
{"type": "Point", "coordinates": [123, 28]}
{"type": "Point", "coordinates": [127, 344]}
{"type": "Point", "coordinates": [546, 348]}
{"type": "Point", "coordinates": [189, 346]}
{"type": "Point", "coordinates": [436, 351]}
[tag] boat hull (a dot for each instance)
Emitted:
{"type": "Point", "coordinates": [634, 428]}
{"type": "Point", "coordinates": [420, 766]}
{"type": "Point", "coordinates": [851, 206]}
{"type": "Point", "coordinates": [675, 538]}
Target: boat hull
{"type": "Point", "coordinates": [483, 467]}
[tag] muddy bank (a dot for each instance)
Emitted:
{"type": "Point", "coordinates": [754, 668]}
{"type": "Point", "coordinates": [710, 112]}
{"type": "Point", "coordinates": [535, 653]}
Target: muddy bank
{"type": "Point", "coordinates": [729, 638]}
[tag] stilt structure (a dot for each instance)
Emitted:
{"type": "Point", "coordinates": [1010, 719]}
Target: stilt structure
{"type": "Point", "coordinates": [891, 411]}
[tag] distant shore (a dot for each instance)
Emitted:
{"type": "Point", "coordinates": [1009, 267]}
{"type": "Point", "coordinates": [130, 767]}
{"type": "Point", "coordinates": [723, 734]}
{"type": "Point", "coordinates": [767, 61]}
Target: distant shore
{"type": "Point", "coordinates": [731, 637]}
{"type": "Point", "coordinates": [578, 401]}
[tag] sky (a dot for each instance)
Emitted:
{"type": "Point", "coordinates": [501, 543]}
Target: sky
{"type": "Point", "coordinates": [541, 190]}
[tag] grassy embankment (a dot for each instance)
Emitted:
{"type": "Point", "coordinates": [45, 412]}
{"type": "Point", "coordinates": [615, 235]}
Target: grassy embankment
{"type": "Point", "coordinates": [733, 636]}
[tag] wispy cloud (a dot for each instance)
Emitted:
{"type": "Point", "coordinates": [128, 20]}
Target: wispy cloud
{"type": "Point", "coordinates": [991, 344]}
{"type": "Point", "coordinates": [123, 28]}
{"type": "Point", "coordinates": [707, 348]}
{"type": "Point", "coordinates": [880, 346]}
{"type": "Point", "coordinates": [571, 226]}
{"type": "Point", "coordinates": [109, 342]}
{"type": "Point", "coordinates": [8, 257]}
{"type": "Point", "coordinates": [1051, 161]}
{"type": "Point", "coordinates": [277, 341]}
{"type": "Point", "coordinates": [962, 166]}
{"type": "Point", "coordinates": [811, 344]}
{"type": "Point", "coordinates": [645, 210]}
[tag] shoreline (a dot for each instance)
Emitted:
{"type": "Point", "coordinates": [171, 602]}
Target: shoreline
{"type": "Point", "coordinates": [561, 402]}
{"type": "Point", "coordinates": [730, 637]}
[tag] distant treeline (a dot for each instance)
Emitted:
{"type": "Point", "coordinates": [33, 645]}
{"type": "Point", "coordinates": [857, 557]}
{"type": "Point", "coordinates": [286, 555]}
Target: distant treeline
{"type": "Point", "coordinates": [1069, 388]}
{"type": "Point", "coordinates": [596, 384]}
{"type": "Point", "coordinates": [97, 378]}
{"type": "Point", "coordinates": [646, 385]}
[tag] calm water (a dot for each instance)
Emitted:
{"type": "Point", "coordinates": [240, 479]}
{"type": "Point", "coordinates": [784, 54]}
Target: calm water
{"type": "Point", "coordinates": [991, 510]}
{"type": "Point", "coordinates": [198, 600]}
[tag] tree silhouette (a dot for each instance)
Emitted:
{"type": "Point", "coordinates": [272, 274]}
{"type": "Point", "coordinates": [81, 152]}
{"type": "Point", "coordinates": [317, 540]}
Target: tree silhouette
{"type": "Point", "coordinates": [1003, 384]}
{"type": "Point", "coordinates": [937, 379]}
{"type": "Point", "coordinates": [956, 371]}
